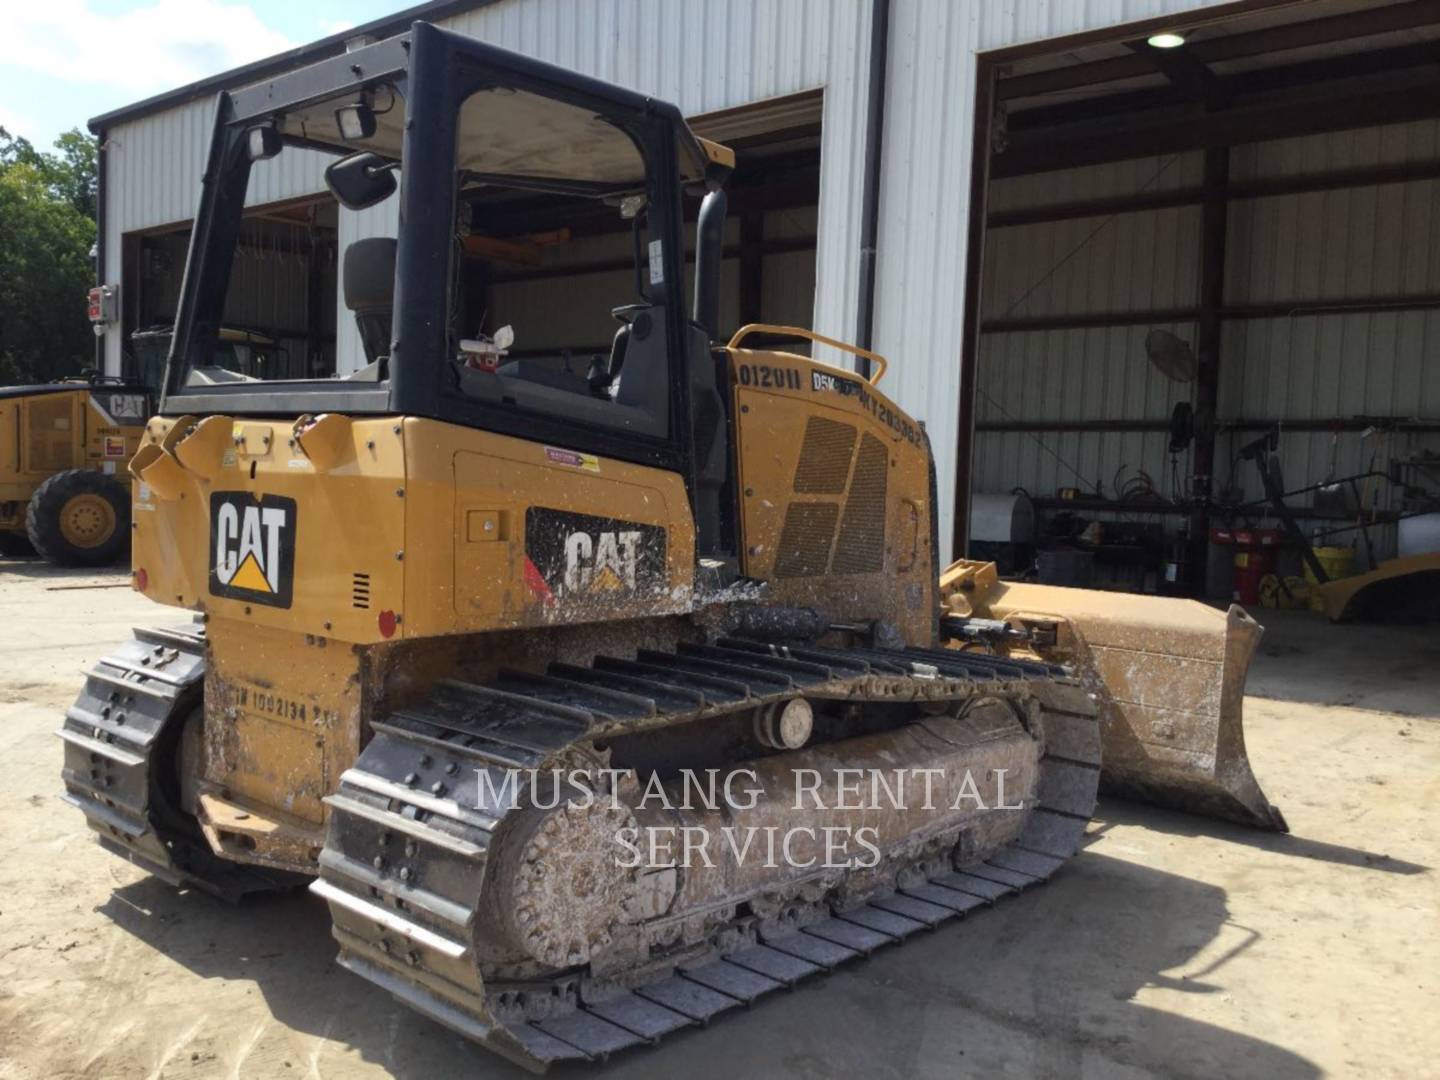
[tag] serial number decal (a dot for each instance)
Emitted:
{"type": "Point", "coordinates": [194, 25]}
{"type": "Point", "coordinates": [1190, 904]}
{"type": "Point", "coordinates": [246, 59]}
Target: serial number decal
{"type": "Point", "coordinates": [829, 383]}
{"type": "Point", "coordinates": [770, 377]}
{"type": "Point", "coordinates": [258, 701]}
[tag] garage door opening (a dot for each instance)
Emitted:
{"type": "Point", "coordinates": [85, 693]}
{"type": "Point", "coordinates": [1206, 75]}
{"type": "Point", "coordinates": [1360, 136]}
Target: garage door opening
{"type": "Point", "coordinates": [1198, 260]}
{"type": "Point", "coordinates": [279, 318]}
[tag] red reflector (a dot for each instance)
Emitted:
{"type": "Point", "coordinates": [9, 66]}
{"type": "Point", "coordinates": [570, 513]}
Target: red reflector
{"type": "Point", "coordinates": [142, 580]}
{"type": "Point", "coordinates": [387, 622]}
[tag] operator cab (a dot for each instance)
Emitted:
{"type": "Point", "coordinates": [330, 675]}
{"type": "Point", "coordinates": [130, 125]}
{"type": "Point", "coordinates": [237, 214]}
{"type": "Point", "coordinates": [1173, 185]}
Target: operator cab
{"type": "Point", "coordinates": [482, 164]}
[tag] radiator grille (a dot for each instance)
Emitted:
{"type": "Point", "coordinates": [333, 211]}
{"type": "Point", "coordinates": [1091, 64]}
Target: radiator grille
{"type": "Point", "coordinates": [51, 442]}
{"type": "Point", "coordinates": [360, 591]}
{"type": "Point", "coordinates": [861, 547]}
{"type": "Point", "coordinates": [805, 539]}
{"type": "Point", "coordinates": [824, 457]}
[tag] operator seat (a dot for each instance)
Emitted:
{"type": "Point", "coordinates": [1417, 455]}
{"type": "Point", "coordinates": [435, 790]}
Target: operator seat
{"type": "Point", "coordinates": [369, 276]}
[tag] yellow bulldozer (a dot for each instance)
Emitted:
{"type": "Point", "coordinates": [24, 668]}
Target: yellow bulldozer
{"type": "Point", "coordinates": [474, 632]}
{"type": "Point", "coordinates": [64, 451]}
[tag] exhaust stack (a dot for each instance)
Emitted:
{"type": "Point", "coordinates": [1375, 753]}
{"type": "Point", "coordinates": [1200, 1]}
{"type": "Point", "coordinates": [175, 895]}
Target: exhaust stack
{"type": "Point", "coordinates": [709, 246]}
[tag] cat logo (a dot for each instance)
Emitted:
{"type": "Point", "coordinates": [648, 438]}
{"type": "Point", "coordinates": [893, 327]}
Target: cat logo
{"type": "Point", "coordinates": [606, 562]}
{"type": "Point", "coordinates": [252, 547]}
{"type": "Point", "coordinates": [579, 557]}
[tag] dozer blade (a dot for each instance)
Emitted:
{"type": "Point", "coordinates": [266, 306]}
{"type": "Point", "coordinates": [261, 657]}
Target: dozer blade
{"type": "Point", "coordinates": [1169, 676]}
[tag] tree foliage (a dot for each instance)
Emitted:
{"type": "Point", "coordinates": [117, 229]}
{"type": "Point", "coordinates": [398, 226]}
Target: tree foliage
{"type": "Point", "coordinates": [47, 226]}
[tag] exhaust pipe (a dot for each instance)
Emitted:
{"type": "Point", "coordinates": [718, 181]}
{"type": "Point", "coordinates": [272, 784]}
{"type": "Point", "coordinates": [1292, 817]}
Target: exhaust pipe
{"type": "Point", "coordinates": [709, 245]}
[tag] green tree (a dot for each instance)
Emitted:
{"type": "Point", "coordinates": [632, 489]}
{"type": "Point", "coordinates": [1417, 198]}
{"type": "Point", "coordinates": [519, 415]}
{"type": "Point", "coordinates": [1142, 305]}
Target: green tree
{"type": "Point", "coordinates": [70, 172]}
{"type": "Point", "coordinates": [73, 170]}
{"type": "Point", "coordinates": [47, 226]}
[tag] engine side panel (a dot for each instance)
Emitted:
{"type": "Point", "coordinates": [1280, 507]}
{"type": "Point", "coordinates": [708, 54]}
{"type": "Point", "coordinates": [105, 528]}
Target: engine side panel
{"type": "Point", "coordinates": [834, 492]}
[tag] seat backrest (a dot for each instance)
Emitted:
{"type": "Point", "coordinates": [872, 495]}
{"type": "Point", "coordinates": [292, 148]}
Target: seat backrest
{"type": "Point", "coordinates": [369, 283]}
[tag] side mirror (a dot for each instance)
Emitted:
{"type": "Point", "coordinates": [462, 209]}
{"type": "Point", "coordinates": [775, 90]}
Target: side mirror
{"type": "Point", "coordinates": [361, 180]}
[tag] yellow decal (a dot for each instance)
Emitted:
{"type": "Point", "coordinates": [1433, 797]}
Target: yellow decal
{"type": "Point", "coordinates": [250, 576]}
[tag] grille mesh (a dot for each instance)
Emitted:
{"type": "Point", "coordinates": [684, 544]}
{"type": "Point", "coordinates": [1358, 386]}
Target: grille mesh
{"type": "Point", "coordinates": [824, 457]}
{"type": "Point", "coordinates": [861, 548]}
{"type": "Point", "coordinates": [805, 539]}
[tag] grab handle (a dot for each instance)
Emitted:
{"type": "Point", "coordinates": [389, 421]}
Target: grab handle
{"type": "Point", "coordinates": [796, 331]}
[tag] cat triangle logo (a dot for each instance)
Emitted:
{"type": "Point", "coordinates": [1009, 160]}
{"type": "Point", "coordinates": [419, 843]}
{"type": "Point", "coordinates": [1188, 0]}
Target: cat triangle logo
{"type": "Point", "coordinates": [252, 547]}
{"type": "Point", "coordinates": [606, 581]}
{"type": "Point", "coordinates": [250, 576]}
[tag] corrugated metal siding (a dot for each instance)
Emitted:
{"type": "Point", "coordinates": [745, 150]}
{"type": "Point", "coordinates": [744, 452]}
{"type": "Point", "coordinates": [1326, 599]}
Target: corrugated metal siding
{"type": "Point", "coordinates": [1340, 246]}
{"type": "Point", "coordinates": [1121, 263]}
{"type": "Point", "coordinates": [1098, 373]}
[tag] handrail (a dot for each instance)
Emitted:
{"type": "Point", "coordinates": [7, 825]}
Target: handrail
{"type": "Point", "coordinates": [796, 331]}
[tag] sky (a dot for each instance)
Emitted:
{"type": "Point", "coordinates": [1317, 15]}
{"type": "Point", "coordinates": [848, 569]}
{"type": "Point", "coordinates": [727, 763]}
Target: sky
{"type": "Point", "coordinates": [64, 61]}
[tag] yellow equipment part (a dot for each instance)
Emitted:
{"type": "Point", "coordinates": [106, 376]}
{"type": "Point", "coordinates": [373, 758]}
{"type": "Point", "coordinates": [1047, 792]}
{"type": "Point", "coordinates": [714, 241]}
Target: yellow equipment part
{"type": "Point", "coordinates": [344, 566]}
{"type": "Point", "coordinates": [1393, 584]}
{"type": "Point", "coordinates": [1169, 677]}
{"type": "Point", "coordinates": [63, 466]}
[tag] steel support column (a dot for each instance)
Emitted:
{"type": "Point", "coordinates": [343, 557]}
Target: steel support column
{"type": "Point", "coordinates": [1213, 221]}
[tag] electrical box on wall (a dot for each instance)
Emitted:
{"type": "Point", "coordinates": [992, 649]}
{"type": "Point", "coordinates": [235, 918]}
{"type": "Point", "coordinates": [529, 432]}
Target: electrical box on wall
{"type": "Point", "coordinates": [104, 304]}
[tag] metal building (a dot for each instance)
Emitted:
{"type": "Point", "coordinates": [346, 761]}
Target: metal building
{"type": "Point", "coordinates": [1263, 192]}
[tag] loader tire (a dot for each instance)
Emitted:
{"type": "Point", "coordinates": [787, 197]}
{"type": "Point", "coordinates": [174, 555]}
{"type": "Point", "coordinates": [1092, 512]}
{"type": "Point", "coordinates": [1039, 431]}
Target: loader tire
{"type": "Point", "coordinates": [79, 518]}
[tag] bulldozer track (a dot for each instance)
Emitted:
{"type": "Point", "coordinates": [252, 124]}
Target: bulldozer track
{"type": "Point", "coordinates": [408, 840]}
{"type": "Point", "coordinates": [120, 736]}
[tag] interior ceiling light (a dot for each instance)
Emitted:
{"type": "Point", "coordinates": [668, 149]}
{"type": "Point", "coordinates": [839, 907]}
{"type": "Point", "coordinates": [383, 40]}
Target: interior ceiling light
{"type": "Point", "coordinates": [1168, 40]}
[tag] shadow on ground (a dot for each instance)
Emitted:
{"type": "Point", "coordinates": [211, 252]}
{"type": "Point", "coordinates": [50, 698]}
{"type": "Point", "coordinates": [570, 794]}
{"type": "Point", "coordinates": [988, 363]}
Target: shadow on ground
{"type": "Point", "coordinates": [1042, 985]}
{"type": "Point", "coordinates": [1122, 812]}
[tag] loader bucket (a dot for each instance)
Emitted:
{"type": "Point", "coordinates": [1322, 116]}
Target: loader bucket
{"type": "Point", "coordinates": [1169, 676]}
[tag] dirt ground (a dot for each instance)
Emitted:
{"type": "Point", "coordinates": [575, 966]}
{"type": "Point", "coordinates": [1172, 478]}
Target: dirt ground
{"type": "Point", "coordinates": [1170, 947]}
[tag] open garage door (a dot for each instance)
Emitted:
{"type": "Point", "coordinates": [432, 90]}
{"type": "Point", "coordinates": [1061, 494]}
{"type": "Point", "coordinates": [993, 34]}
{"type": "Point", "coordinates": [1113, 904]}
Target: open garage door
{"type": "Point", "coordinates": [280, 309]}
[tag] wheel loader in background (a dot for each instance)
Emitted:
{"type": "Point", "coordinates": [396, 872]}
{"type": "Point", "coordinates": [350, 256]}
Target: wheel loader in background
{"type": "Point", "coordinates": [448, 570]}
{"type": "Point", "coordinates": [64, 451]}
